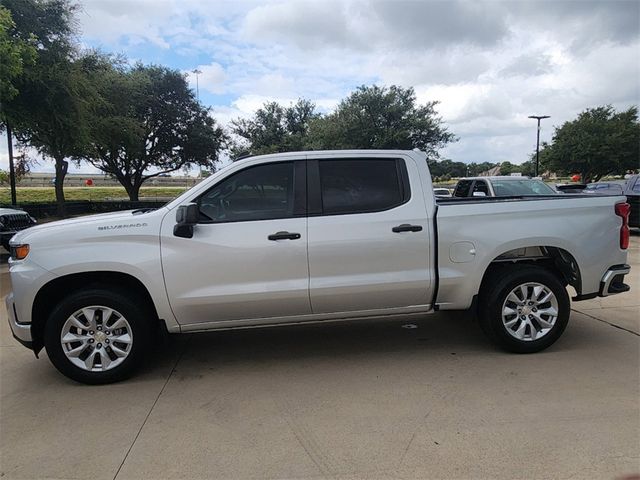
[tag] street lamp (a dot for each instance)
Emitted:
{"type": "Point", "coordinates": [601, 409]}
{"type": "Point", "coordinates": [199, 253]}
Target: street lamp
{"type": "Point", "coordinates": [197, 72]}
{"type": "Point", "coordinates": [538, 117]}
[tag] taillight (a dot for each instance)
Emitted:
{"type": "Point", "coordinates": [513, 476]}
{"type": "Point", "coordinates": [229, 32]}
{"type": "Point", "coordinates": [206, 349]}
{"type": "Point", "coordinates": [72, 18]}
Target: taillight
{"type": "Point", "coordinates": [622, 210]}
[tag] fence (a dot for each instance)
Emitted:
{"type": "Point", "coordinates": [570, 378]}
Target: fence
{"type": "Point", "coordinates": [44, 210]}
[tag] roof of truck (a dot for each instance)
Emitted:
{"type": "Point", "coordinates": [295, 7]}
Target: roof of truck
{"type": "Point", "coordinates": [318, 153]}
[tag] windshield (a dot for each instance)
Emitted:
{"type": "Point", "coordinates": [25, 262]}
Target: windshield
{"type": "Point", "coordinates": [605, 188]}
{"type": "Point", "coordinates": [526, 186]}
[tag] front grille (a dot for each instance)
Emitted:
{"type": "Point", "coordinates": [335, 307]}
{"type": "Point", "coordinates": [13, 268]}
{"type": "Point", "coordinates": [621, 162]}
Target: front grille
{"type": "Point", "coordinates": [16, 221]}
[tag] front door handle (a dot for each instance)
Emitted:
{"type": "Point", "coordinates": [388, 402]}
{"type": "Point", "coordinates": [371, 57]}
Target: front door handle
{"type": "Point", "coordinates": [405, 227]}
{"type": "Point", "coordinates": [284, 236]}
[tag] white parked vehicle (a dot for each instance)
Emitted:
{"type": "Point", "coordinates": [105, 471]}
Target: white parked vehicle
{"type": "Point", "coordinates": [309, 237]}
{"type": "Point", "coordinates": [501, 186]}
{"type": "Point", "coordinates": [441, 192]}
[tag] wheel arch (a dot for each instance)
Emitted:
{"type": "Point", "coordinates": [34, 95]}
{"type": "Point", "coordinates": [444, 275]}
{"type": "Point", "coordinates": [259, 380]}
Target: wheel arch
{"type": "Point", "coordinates": [55, 290]}
{"type": "Point", "coordinates": [557, 260]}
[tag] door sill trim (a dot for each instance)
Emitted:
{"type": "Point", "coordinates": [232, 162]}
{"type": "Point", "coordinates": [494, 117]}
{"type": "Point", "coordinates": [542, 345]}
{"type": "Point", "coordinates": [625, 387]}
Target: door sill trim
{"type": "Point", "coordinates": [303, 319]}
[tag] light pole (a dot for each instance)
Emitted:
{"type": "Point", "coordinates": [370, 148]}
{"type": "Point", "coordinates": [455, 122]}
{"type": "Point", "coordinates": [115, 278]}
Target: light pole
{"type": "Point", "coordinates": [12, 171]}
{"type": "Point", "coordinates": [538, 117]}
{"type": "Point", "coordinates": [197, 72]}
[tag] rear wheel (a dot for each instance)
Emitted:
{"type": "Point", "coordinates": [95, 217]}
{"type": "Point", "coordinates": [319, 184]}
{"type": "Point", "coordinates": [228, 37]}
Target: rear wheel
{"type": "Point", "coordinates": [97, 336]}
{"type": "Point", "coordinates": [524, 309]}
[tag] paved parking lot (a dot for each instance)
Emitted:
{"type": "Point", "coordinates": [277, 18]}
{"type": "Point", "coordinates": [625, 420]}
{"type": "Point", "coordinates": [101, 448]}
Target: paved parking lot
{"type": "Point", "coordinates": [346, 401]}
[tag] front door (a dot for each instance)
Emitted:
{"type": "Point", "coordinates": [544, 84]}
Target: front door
{"type": "Point", "coordinates": [369, 238]}
{"type": "Point", "coordinates": [248, 255]}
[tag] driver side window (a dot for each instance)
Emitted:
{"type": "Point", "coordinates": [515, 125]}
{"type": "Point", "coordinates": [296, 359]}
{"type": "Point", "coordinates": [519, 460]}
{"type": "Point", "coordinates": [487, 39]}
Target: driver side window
{"type": "Point", "coordinates": [263, 192]}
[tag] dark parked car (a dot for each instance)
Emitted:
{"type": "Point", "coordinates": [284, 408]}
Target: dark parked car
{"type": "Point", "coordinates": [571, 187]}
{"type": "Point", "coordinates": [11, 221]}
{"type": "Point", "coordinates": [632, 191]}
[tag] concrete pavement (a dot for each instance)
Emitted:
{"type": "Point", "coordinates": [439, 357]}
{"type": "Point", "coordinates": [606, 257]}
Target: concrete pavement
{"type": "Point", "coordinates": [346, 401]}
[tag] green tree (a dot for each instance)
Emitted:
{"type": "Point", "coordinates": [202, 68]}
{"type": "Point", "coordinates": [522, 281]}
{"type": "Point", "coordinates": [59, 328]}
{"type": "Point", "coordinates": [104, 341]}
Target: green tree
{"type": "Point", "coordinates": [15, 54]}
{"type": "Point", "coordinates": [507, 168]}
{"type": "Point", "coordinates": [274, 128]}
{"type": "Point", "coordinates": [446, 167]}
{"type": "Point", "coordinates": [476, 169]}
{"type": "Point", "coordinates": [527, 168]}
{"type": "Point", "coordinates": [600, 142]}
{"type": "Point", "coordinates": [48, 110]}
{"type": "Point", "coordinates": [379, 118]}
{"type": "Point", "coordinates": [22, 167]}
{"type": "Point", "coordinates": [147, 123]}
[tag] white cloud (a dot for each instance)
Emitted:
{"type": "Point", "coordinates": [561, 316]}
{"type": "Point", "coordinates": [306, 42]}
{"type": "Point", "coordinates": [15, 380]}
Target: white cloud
{"type": "Point", "coordinates": [490, 64]}
{"type": "Point", "coordinates": [212, 78]}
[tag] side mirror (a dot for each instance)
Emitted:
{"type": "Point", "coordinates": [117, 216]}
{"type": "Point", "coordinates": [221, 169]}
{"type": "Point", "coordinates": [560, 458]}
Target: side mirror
{"type": "Point", "coordinates": [479, 194]}
{"type": "Point", "coordinates": [188, 214]}
{"type": "Point", "coordinates": [186, 217]}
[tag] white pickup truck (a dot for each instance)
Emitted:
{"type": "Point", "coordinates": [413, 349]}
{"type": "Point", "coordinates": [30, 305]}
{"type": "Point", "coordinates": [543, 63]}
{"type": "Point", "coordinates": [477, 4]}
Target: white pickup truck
{"type": "Point", "coordinates": [309, 237]}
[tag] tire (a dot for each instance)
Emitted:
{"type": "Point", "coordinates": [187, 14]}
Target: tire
{"type": "Point", "coordinates": [113, 335]}
{"type": "Point", "coordinates": [517, 305]}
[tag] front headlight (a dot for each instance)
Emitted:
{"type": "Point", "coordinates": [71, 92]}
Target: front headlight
{"type": "Point", "coordinates": [19, 252]}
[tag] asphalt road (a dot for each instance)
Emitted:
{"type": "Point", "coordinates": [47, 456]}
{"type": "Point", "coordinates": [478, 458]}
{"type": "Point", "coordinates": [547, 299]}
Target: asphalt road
{"type": "Point", "coordinates": [348, 401]}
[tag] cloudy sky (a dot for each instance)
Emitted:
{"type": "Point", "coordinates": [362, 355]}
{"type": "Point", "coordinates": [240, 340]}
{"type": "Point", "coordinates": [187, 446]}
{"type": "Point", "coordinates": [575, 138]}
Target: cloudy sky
{"type": "Point", "coordinates": [490, 64]}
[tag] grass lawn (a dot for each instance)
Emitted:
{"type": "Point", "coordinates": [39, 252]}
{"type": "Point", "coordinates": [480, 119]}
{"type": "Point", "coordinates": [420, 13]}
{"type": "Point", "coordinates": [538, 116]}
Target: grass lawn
{"type": "Point", "coordinates": [47, 194]}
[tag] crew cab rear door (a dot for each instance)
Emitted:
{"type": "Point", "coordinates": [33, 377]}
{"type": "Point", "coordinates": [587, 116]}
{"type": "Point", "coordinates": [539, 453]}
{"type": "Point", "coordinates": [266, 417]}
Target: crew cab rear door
{"type": "Point", "coordinates": [368, 234]}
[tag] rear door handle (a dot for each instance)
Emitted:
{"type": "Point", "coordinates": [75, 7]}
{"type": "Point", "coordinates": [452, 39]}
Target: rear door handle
{"type": "Point", "coordinates": [405, 227]}
{"type": "Point", "coordinates": [284, 236]}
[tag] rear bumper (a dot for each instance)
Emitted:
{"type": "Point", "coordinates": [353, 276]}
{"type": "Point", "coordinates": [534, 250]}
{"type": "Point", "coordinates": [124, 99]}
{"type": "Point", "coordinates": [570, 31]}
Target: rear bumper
{"type": "Point", "coordinates": [613, 281]}
{"type": "Point", "coordinates": [21, 331]}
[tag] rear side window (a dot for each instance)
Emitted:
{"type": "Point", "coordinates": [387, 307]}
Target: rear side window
{"type": "Point", "coordinates": [462, 189]}
{"type": "Point", "coordinates": [636, 186]}
{"type": "Point", "coordinates": [360, 186]}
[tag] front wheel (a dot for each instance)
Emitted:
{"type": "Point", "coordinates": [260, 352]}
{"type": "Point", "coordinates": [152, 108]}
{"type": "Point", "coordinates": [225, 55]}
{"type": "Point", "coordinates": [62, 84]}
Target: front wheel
{"type": "Point", "coordinates": [97, 336]}
{"type": "Point", "coordinates": [524, 309]}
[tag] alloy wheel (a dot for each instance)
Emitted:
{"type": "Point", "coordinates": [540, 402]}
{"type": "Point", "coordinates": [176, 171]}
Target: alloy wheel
{"type": "Point", "coordinates": [96, 338]}
{"type": "Point", "coordinates": [530, 311]}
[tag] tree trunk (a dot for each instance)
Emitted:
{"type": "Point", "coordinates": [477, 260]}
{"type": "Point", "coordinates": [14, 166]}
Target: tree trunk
{"type": "Point", "coordinates": [61, 172]}
{"type": "Point", "coordinates": [133, 190]}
